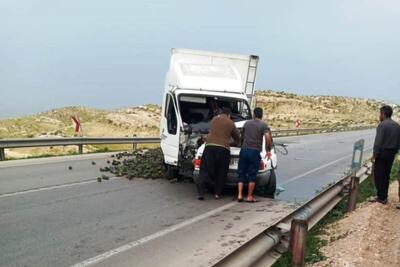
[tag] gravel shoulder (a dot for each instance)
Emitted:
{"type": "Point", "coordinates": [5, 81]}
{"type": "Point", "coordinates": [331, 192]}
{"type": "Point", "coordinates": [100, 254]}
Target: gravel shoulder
{"type": "Point", "coordinates": [367, 237]}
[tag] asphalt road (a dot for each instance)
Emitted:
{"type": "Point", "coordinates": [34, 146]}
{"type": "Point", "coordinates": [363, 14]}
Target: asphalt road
{"type": "Point", "coordinates": [53, 216]}
{"type": "Point", "coordinates": [315, 161]}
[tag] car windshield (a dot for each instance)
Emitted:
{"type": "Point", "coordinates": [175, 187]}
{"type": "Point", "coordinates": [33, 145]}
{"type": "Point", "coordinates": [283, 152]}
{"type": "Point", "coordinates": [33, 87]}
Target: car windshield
{"type": "Point", "coordinates": [198, 111]}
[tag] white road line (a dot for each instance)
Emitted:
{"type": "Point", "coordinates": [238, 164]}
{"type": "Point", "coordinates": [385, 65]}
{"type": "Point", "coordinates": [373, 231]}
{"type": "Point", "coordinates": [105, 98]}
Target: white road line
{"type": "Point", "coordinates": [148, 238]}
{"type": "Point", "coordinates": [318, 168]}
{"type": "Point", "coordinates": [56, 159]}
{"type": "Point", "coordinates": [50, 188]}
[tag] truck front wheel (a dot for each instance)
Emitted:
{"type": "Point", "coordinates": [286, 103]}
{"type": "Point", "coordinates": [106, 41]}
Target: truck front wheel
{"type": "Point", "coordinates": [171, 172]}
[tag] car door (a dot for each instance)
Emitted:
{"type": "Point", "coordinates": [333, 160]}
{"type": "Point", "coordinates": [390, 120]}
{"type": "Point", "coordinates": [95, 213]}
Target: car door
{"type": "Point", "coordinates": [170, 131]}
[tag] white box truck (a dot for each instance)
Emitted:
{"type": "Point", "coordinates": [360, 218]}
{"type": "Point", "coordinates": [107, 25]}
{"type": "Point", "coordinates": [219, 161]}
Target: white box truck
{"type": "Point", "coordinates": [196, 83]}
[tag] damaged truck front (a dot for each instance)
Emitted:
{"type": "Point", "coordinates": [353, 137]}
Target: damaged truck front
{"type": "Point", "coordinates": [199, 84]}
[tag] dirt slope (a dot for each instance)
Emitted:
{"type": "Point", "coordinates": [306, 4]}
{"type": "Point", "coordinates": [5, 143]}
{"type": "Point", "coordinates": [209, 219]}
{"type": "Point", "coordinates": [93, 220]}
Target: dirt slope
{"type": "Point", "coordinates": [368, 237]}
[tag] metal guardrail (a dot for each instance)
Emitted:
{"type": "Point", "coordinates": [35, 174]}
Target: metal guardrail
{"type": "Point", "coordinates": [290, 232]}
{"type": "Point", "coordinates": [304, 131]}
{"type": "Point", "coordinates": [81, 141]}
{"type": "Point", "coordinates": [72, 141]}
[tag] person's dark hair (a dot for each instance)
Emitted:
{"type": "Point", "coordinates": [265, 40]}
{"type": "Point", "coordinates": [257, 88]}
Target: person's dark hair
{"type": "Point", "coordinates": [258, 113]}
{"type": "Point", "coordinates": [387, 111]}
{"type": "Point", "coordinates": [226, 111]}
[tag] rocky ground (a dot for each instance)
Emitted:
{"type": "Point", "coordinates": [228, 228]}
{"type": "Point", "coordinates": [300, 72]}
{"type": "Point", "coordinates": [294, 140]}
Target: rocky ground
{"type": "Point", "coordinates": [368, 237]}
{"type": "Point", "coordinates": [141, 163]}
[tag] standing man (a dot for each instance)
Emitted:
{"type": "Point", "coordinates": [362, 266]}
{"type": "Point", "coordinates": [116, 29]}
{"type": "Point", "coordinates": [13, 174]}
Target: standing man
{"type": "Point", "coordinates": [216, 156]}
{"type": "Point", "coordinates": [387, 144]}
{"type": "Point", "coordinates": [398, 180]}
{"type": "Point", "coordinates": [254, 131]}
{"type": "Point", "coordinates": [214, 108]}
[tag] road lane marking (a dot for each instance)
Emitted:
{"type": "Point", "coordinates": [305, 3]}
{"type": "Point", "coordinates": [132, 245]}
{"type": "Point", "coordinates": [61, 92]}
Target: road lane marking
{"type": "Point", "coordinates": [108, 254]}
{"type": "Point", "coordinates": [55, 159]}
{"type": "Point", "coordinates": [47, 188]}
{"type": "Point", "coordinates": [319, 168]}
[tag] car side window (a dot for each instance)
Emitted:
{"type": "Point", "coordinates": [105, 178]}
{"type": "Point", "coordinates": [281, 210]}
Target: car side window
{"type": "Point", "coordinates": [170, 115]}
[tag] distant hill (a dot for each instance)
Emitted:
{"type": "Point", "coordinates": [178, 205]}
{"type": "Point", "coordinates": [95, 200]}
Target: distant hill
{"type": "Point", "coordinates": [143, 120]}
{"type": "Point", "coordinates": [281, 111]}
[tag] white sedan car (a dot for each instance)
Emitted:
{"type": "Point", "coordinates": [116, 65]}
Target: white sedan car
{"type": "Point", "coordinates": [266, 178]}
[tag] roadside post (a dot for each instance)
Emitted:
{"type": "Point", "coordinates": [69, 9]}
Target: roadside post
{"type": "Point", "coordinates": [297, 243]}
{"type": "Point", "coordinates": [2, 153]}
{"type": "Point", "coordinates": [357, 155]}
{"type": "Point", "coordinates": [80, 149]}
{"type": "Point", "coordinates": [134, 144]}
{"type": "Point", "coordinates": [355, 181]}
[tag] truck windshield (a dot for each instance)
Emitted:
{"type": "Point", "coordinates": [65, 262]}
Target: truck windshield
{"type": "Point", "coordinates": [198, 111]}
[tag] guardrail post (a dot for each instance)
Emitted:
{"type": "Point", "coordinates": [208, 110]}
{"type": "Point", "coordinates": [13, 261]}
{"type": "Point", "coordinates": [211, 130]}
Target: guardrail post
{"type": "Point", "coordinates": [353, 190]}
{"type": "Point", "coordinates": [134, 146]}
{"type": "Point", "coordinates": [297, 244]}
{"type": "Point", "coordinates": [80, 149]}
{"type": "Point", "coordinates": [2, 154]}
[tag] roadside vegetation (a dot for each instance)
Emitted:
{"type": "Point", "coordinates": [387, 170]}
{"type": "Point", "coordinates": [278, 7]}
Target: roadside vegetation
{"type": "Point", "coordinates": [314, 240]}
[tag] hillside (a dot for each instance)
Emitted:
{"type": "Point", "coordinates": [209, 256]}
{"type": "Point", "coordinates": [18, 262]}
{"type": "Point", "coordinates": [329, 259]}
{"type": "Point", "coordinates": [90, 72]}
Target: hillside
{"type": "Point", "coordinates": [143, 120]}
{"type": "Point", "coordinates": [281, 109]}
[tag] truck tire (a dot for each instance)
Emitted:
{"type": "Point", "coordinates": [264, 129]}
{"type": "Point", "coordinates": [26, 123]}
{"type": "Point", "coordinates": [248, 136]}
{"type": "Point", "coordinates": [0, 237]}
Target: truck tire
{"type": "Point", "coordinates": [171, 172]}
{"type": "Point", "coordinates": [270, 188]}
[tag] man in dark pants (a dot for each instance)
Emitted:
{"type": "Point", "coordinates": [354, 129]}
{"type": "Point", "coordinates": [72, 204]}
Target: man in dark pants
{"type": "Point", "coordinates": [386, 146]}
{"type": "Point", "coordinates": [398, 180]}
{"type": "Point", "coordinates": [253, 133]}
{"type": "Point", "coordinates": [215, 160]}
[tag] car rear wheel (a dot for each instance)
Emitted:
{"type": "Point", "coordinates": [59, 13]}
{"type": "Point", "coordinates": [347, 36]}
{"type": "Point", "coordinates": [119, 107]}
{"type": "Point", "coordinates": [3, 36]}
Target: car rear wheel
{"type": "Point", "coordinates": [269, 189]}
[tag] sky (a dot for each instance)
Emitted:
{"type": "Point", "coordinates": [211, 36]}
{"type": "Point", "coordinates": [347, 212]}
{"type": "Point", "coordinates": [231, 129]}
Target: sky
{"type": "Point", "coordinates": [114, 53]}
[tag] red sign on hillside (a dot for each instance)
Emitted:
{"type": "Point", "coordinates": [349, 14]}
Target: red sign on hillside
{"type": "Point", "coordinates": [77, 124]}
